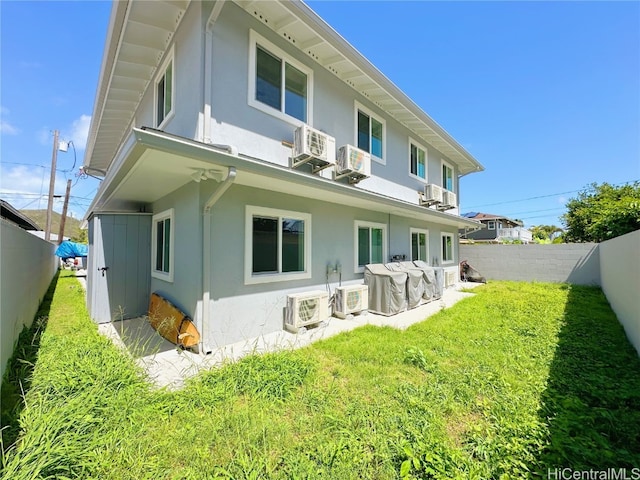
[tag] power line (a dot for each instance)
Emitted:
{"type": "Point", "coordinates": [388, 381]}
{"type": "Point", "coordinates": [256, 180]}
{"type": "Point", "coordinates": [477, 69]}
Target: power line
{"type": "Point", "coordinates": [541, 196]}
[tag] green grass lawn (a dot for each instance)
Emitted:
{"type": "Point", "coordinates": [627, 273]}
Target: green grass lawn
{"type": "Point", "coordinates": [520, 378]}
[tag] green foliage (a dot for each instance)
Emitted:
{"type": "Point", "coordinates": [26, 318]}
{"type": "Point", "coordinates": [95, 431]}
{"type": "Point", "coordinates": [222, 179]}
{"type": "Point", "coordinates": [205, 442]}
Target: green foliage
{"type": "Point", "coordinates": [601, 212]}
{"type": "Point", "coordinates": [519, 378]}
{"type": "Point", "coordinates": [546, 233]}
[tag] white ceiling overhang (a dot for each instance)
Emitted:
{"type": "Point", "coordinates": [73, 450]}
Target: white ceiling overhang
{"type": "Point", "coordinates": [139, 34]}
{"type": "Point", "coordinates": [300, 26]}
{"type": "Point", "coordinates": [154, 163]}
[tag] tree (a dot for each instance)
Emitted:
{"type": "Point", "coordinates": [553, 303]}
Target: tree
{"type": "Point", "coordinates": [546, 232]}
{"type": "Point", "coordinates": [602, 212]}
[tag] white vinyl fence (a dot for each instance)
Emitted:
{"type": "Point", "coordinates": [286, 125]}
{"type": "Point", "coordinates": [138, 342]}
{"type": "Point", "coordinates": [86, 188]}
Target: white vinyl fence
{"type": "Point", "coordinates": [27, 266]}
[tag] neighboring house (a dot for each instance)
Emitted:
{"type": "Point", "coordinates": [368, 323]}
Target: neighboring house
{"type": "Point", "coordinates": [495, 229]}
{"type": "Point", "coordinates": [205, 201]}
{"type": "Point", "coordinates": [8, 212]}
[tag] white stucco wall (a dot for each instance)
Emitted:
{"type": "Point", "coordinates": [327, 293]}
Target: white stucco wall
{"type": "Point", "coordinates": [620, 280]}
{"type": "Point", "coordinates": [27, 266]}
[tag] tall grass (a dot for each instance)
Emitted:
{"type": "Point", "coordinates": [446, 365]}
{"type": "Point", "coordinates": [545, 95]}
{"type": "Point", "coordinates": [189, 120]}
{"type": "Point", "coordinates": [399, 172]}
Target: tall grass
{"type": "Point", "coordinates": [485, 389]}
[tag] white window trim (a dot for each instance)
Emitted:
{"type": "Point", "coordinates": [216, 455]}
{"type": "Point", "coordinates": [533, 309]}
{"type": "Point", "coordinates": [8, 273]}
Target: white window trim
{"type": "Point", "coordinates": [257, 39]}
{"type": "Point", "coordinates": [426, 233]}
{"type": "Point", "coordinates": [363, 109]}
{"type": "Point", "coordinates": [358, 223]}
{"type": "Point", "coordinates": [453, 175]}
{"type": "Point", "coordinates": [453, 249]}
{"type": "Point", "coordinates": [426, 161]}
{"type": "Point", "coordinates": [491, 225]}
{"type": "Point", "coordinates": [166, 276]}
{"type": "Point", "coordinates": [252, 279]}
{"type": "Point", "coordinates": [170, 58]}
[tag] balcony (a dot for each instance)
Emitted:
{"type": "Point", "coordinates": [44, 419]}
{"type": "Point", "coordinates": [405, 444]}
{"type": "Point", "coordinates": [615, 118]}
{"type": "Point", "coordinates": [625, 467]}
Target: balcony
{"type": "Point", "coordinates": [517, 233]}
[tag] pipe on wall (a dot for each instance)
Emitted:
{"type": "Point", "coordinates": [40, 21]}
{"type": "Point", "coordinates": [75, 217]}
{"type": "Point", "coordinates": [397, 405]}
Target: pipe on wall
{"type": "Point", "coordinates": [206, 254]}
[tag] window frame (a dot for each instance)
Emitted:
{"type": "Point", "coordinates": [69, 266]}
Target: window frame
{"type": "Point", "coordinates": [418, 145]}
{"type": "Point", "coordinates": [358, 107]}
{"type": "Point", "coordinates": [251, 278]}
{"type": "Point", "coordinates": [445, 261]}
{"type": "Point", "coordinates": [385, 247]}
{"type": "Point", "coordinates": [161, 217]}
{"type": "Point", "coordinates": [491, 225]}
{"type": "Point", "coordinates": [162, 71]}
{"type": "Point", "coordinates": [453, 176]}
{"type": "Point", "coordinates": [255, 40]}
{"type": "Point", "coordinates": [426, 234]}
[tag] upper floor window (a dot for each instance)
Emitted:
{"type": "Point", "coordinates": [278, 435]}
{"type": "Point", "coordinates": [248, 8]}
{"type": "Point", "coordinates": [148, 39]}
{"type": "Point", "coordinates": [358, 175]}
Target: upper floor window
{"type": "Point", "coordinates": [370, 133]}
{"type": "Point", "coordinates": [371, 244]}
{"type": "Point", "coordinates": [278, 245]}
{"type": "Point", "coordinates": [418, 161]}
{"type": "Point", "coordinates": [162, 245]}
{"type": "Point", "coordinates": [278, 85]}
{"type": "Point", "coordinates": [447, 248]}
{"type": "Point", "coordinates": [447, 176]}
{"type": "Point", "coordinates": [164, 91]}
{"type": "Point", "coordinates": [419, 244]}
{"type": "Point", "coordinates": [491, 225]}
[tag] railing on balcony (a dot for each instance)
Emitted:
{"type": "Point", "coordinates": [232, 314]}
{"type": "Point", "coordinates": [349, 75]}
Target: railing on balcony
{"type": "Point", "coordinates": [517, 233]}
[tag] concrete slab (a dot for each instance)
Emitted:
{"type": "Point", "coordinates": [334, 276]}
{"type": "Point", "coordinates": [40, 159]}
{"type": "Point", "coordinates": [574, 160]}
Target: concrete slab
{"type": "Point", "coordinates": [169, 366]}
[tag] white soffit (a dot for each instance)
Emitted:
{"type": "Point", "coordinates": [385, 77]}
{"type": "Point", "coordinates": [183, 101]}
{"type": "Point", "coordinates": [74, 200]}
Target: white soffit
{"type": "Point", "coordinates": [296, 23]}
{"type": "Point", "coordinates": [145, 32]}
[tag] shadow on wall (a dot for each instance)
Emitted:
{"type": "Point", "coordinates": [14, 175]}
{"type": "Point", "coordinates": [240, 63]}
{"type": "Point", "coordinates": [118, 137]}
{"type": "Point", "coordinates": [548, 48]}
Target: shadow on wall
{"type": "Point", "coordinates": [592, 400]}
{"type": "Point", "coordinates": [587, 269]}
{"type": "Point", "coordinates": [17, 378]}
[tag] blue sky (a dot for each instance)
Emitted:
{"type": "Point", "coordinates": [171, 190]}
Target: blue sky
{"type": "Point", "coordinates": [546, 95]}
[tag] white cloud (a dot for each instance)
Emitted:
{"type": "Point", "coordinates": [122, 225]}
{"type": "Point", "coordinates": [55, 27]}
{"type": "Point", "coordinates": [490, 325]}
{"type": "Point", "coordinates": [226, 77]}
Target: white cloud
{"type": "Point", "coordinates": [6, 127]}
{"type": "Point", "coordinates": [78, 132]}
{"type": "Point", "coordinates": [28, 186]}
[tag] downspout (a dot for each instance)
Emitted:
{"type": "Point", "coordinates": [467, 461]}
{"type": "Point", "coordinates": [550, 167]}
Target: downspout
{"type": "Point", "coordinates": [206, 253]}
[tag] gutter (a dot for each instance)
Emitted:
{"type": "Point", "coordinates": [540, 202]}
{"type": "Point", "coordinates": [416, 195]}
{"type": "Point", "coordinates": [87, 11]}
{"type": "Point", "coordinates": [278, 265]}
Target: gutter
{"type": "Point", "coordinates": [206, 253]}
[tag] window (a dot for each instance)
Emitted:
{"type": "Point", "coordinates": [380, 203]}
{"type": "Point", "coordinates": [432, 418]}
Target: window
{"type": "Point", "coordinates": [447, 248]}
{"type": "Point", "coordinates": [162, 245]}
{"type": "Point", "coordinates": [369, 133]}
{"type": "Point", "coordinates": [447, 176]}
{"type": "Point", "coordinates": [164, 91]}
{"type": "Point", "coordinates": [277, 245]}
{"type": "Point", "coordinates": [419, 244]}
{"type": "Point", "coordinates": [370, 244]}
{"type": "Point", "coordinates": [417, 161]}
{"type": "Point", "coordinates": [278, 85]}
{"type": "Point", "coordinates": [491, 225]}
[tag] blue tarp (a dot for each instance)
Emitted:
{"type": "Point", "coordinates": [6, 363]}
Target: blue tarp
{"type": "Point", "coordinates": [69, 249]}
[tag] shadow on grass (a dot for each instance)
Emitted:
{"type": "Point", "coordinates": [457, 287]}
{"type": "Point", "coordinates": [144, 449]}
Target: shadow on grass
{"type": "Point", "coordinates": [19, 372]}
{"type": "Point", "coordinates": [592, 401]}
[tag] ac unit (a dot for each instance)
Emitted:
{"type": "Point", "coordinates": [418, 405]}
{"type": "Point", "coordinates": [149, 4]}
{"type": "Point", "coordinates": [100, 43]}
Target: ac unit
{"type": "Point", "coordinates": [351, 299]}
{"type": "Point", "coordinates": [432, 194]}
{"type": "Point", "coordinates": [450, 277]}
{"type": "Point", "coordinates": [314, 147]}
{"type": "Point", "coordinates": [304, 309]}
{"type": "Point", "coordinates": [353, 163]}
{"type": "Point", "coordinates": [448, 200]}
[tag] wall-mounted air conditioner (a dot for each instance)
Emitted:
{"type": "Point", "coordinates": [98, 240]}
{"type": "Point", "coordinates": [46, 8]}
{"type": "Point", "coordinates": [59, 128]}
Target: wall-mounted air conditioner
{"type": "Point", "coordinates": [313, 147]}
{"type": "Point", "coordinates": [432, 195]}
{"type": "Point", "coordinates": [304, 309]}
{"type": "Point", "coordinates": [448, 200]}
{"type": "Point", "coordinates": [352, 163]}
{"type": "Point", "coordinates": [351, 299]}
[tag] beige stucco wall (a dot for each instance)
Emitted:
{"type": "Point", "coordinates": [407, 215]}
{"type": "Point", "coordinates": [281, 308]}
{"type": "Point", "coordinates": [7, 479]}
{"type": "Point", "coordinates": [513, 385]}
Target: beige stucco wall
{"type": "Point", "coordinates": [620, 280]}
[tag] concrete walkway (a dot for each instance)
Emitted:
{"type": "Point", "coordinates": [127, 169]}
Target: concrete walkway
{"type": "Point", "coordinates": [169, 366]}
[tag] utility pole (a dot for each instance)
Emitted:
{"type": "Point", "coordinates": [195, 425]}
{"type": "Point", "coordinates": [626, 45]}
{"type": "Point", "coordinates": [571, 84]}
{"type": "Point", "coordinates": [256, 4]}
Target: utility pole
{"type": "Point", "coordinates": [52, 184]}
{"type": "Point", "coordinates": [63, 219]}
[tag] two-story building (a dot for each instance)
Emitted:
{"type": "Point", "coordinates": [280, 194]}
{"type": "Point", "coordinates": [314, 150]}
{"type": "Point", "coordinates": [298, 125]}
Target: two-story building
{"type": "Point", "coordinates": [495, 229]}
{"type": "Point", "coordinates": [249, 152]}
